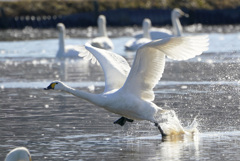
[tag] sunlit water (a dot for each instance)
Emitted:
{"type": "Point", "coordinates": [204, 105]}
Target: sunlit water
{"type": "Point", "coordinates": [58, 126]}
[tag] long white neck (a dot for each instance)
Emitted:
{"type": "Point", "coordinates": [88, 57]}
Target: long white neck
{"type": "Point", "coordinates": [61, 49]}
{"type": "Point", "coordinates": [146, 28]}
{"type": "Point", "coordinates": [177, 27]}
{"type": "Point", "coordinates": [146, 33]}
{"type": "Point", "coordinates": [102, 30]}
{"type": "Point", "coordinates": [93, 98]}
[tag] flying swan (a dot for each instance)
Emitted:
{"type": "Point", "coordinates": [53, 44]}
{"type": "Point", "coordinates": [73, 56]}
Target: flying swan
{"type": "Point", "coordinates": [129, 91]}
{"type": "Point", "coordinates": [19, 154]}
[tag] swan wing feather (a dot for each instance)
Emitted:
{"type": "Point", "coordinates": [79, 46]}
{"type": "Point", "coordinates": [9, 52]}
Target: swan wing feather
{"type": "Point", "coordinates": [149, 62]}
{"type": "Point", "coordinates": [115, 67]}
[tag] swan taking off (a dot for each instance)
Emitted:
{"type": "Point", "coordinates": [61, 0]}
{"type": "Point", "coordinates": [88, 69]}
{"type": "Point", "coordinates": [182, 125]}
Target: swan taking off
{"type": "Point", "coordinates": [19, 154]}
{"type": "Point", "coordinates": [129, 91]}
{"type": "Point", "coordinates": [102, 41]}
{"type": "Point", "coordinates": [69, 51]}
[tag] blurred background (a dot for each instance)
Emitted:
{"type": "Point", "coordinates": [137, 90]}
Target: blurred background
{"type": "Point", "coordinates": [33, 14]}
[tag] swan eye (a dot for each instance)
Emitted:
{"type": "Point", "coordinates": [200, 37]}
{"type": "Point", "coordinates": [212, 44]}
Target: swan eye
{"type": "Point", "coordinates": [56, 83]}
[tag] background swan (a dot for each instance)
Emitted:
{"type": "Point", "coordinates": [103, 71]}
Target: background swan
{"type": "Point", "coordinates": [135, 43]}
{"type": "Point", "coordinates": [102, 41]}
{"type": "Point", "coordinates": [175, 15]}
{"type": "Point", "coordinates": [69, 51]}
{"type": "Point", "coordinates": [19, 154]}
{"type": "Point", "coordinates": [161, 33]}
{"type": "Point", "coordinates": [129, 91]}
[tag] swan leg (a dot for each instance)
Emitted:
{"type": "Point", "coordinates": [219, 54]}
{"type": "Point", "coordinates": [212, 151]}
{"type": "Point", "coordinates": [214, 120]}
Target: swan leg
{"type": "Point", "coordinates": [160, 129]}
{"type": "Point", "coordinates": [122, 121]}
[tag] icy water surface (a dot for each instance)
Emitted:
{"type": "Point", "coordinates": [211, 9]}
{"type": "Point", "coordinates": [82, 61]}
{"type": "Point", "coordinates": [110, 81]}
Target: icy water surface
{"type": "Point", "coordinates": [57, 126]}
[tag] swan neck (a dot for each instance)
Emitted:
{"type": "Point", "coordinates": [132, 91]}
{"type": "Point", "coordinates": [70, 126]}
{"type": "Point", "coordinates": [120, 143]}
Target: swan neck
{"type": "Point", "coordinates": [61, 43]}
{"type": "Point", "coordinates": [93, 98]}
{"type": "Point", "coordinates": [102, 29]}
{"type": "Point", "coordinates": [177, 27]}
{"type": "Point", "coordinates": [146, 33]}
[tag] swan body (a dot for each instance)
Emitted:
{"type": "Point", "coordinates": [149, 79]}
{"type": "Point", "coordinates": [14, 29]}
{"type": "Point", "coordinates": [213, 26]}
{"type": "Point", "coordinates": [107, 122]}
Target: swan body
{"type": "Point", "coordinates": [102, 41]}
{"type": "Point", "coordinates": [129, 91]}
{"type": "Point", "coordinates": [19, 154]}
{"type": "Point", "coordinates": [69, 51]}
{"type": "Point", "coordinates": [135, 43]}
{"type": "Point", "coordinates": [161, 33]}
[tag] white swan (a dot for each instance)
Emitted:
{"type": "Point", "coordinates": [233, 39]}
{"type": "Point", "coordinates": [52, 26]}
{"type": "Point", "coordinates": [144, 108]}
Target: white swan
{"type": "Point", "coordinates": [135, 43]}
{"type": "Point", "coordinates": [102, 41]}
{"type": "Point", "coordinates": [175, 15]}
{"type": "Point", "coordinates": [129, 91]}
{"type": "Point", "coordinates": [69, 51]}
{"type": "Point", "coordinates": [19, 154]}
{"type": "Point", "coordinates": [161, 33]}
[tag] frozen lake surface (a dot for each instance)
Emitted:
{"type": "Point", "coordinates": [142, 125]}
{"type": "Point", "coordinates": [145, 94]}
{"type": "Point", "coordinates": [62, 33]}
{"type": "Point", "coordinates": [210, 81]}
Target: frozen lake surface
{"type": "Point", "coordinates": [58, 126]}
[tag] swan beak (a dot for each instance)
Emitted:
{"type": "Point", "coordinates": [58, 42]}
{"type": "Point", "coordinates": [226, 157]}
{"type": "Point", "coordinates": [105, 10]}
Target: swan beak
{"type": "Point", "coordinates": [51, 86]}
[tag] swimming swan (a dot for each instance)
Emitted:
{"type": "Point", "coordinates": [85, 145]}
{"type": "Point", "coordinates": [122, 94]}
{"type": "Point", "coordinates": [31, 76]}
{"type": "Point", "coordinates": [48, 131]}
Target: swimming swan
{"type": "Point", "coordinates": [175, 15]}
{"type": "Point", "coordinates": [19, 154]}
{"type": "Point", "coordinates": [135, 43]}
{"type": "Point", "coordinates": [102, 41]}
{"type": "Point", "coordinates": [129, 91]}
{"type": "Point", "coordinates": [161, 33]}
{"type": "Point", "coordinates": [69, 51]}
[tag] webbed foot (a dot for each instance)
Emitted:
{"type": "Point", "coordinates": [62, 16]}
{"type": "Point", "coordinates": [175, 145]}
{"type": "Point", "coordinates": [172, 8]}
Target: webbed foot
{"type": "Point", "coordinates": [122, 121]}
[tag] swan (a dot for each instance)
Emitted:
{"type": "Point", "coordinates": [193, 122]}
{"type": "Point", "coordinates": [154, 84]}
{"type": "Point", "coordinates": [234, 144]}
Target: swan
{"type": "Point", "coordinates": [129, 91]}
{"type": "Point", "coordinates": [69, 51]}
{"type": "Point", "coordinates": [102, 41]}
{"type": "Point", "coordinates": [175, 15]}
{"type": "Point", "coordinates": [19, 154]}
{"type": "Point", "coordinates": [161, 33]}
{"type": "Point", "coordinates": [135, 43]}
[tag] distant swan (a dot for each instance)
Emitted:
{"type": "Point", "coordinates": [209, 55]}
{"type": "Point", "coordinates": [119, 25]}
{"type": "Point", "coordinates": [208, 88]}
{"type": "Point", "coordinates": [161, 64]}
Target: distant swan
{"type": "Point", "coordinates": [161, 33]}
{"type": "Point", "coordinates": [69, 51]}
{"type": "Point", "coordinates": [175, 15]}
{"type": "Point", "coordinates": [102, 41]}
{"type": "Point", "coordinates": [19, 154]}
{"type": "Point", "coordinates": [129, 91]}
{"type": "Point", "coordinates": [135, 43]}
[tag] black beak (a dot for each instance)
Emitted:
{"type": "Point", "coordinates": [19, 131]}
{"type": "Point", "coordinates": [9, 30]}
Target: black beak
{"type": "Point", "coordinates": [49, 87]}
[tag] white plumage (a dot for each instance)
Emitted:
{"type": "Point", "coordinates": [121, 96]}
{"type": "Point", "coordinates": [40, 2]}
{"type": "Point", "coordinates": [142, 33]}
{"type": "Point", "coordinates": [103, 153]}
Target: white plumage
{"type": "Point", "coordinates": [135, 43]}
{"type": "Point", "coordinates": [140, 37]}
{"type": "Point", "coordinates": [102, 40]}
{"type": "Point", "coordinates": [19, 154]}
{"type": "Point", "coordinates": [66, 51]}
{"type": "Point", "coordinates": [129, 91]}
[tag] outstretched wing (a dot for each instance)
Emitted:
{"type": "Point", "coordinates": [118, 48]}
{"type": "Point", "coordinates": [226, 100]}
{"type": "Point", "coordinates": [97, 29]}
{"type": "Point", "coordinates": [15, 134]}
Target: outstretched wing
{"type": "Point", "coordinates": [149, 62]}
{"type": "Point", "coordinates": [115, 67]}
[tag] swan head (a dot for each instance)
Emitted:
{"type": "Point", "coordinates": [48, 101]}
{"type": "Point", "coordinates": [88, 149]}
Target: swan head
{"type": "Point", "coordinates": [56, 85]}
{"type": "Point", "coordinates": [178, 13]}
{"type": "Point", "coordinates": [61, 27]}
{"type": "Point", "coordinates": [146, 27]}
{"type": "Point", "coordinates": [147, 23]}
{"type": "Point", "coordinates": [101, 20]}
{"type": "Point", "coordinates": [19, 154]}
{"type": "Point", "coordinates": [102, 26]}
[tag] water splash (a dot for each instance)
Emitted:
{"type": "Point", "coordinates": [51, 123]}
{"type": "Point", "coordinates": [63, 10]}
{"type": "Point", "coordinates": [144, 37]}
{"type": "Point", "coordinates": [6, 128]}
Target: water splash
{"type": "Point", "coordinates": [171, 125]}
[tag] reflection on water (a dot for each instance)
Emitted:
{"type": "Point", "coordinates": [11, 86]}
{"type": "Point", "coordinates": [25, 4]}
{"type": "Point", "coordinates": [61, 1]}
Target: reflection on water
{"type": "Point", "coordinates": [59, 126]}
